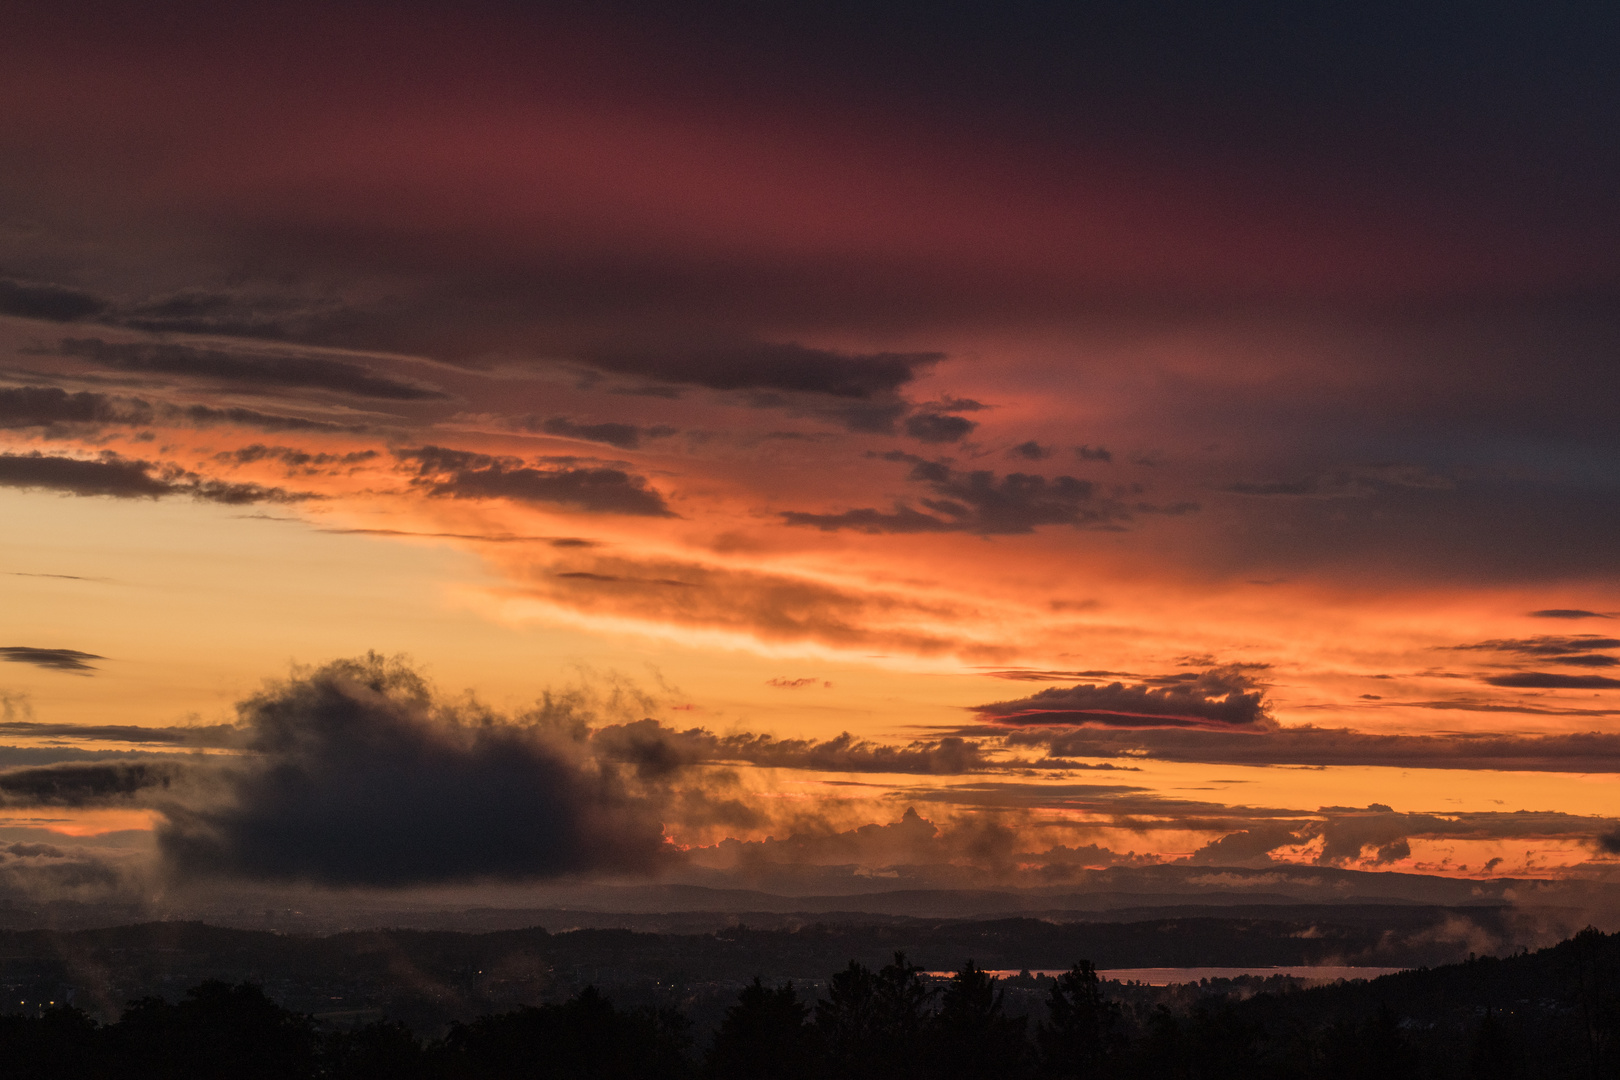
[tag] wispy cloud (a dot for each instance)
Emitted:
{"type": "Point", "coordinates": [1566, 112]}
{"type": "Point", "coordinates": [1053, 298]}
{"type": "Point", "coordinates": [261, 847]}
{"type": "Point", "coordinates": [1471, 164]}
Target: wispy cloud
{"type": "Point", "coordinates": [55, 659]}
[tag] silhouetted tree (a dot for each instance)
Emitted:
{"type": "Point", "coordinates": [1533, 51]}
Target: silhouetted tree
{"type": "Point", "coordinates": [765, 1036]}
{"type": "Point", "coordinates": [1596, 1005]}
{"type": "Point", "coordinates": [1162, 1052]}
{"type": "Point", "coordinates": [1496, 1054]}
{"type": "Point", "coordinates": [970, 1036]}
{"type": "Point", "coordinates": [216, 1030]}
{"type": "Point", "coordinates": [1374, 1049]}
{"type": "Point", "coordinates": [872, 1023]}
{"type": "Point", "coordinates": [62, 1043]}
{"type": "Point", "coordinates": [584, 1038]}
{"type": "Point", "coordinates": [851, 1024]}
{"type": "Point", "coordinates": [382, 1050]}
{"type": "Point", "coordinates": [1079, 1034]}
{"type": "Point", "coordinates": [1222, 1044]}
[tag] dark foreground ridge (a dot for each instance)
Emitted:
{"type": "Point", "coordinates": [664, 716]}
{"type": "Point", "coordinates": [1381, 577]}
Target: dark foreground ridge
{"type": "Point", "coordinates": [431, 978]}
{"type": "Point", "coordinates": [1554, 1013]}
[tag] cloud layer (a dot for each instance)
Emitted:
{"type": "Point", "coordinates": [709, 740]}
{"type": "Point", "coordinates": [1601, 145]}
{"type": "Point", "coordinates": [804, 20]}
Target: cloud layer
{"type": "Point", "coordinates": [1051, 340]}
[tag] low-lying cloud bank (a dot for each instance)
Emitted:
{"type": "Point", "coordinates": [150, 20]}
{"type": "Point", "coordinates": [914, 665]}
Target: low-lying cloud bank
{"type": "Point", "coordinates": [1221, 697]}
{"type": "Point", "coordinates": [359, 774]}
{"type": "Point", "coordinates": [656, 750]}
{"type": "Point", "coordinates": [1585, 752]}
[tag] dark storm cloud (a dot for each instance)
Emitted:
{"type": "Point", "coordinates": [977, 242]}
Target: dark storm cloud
{"type": "Point", "coordinates": [624, 436]}
{"type": "Point", "coordinates": [127, 478]}
{"type": "Point", "coordinates": [1545, 680]}
{"type": "Point", "coordinates": [865, 417]}
{"type": "Point", "coordinates": [934, 427]}
{"type": "Point", "coordinates": [119, 477]}
{"type": "Point", "coordinates": [1381, 837]}
{"type": "Point", "coordinates": [978, 502]}
{"type": "Point", "coordinates": [1589, 752]}
{"type": "Point", "coordinates": [771, 366]}
{"type": "Point", "coordinates": [45, 406]}
{"type": "Point", "coordinates": [83, 785]}
{"type": "Point", "coordinates": [59, 659]}
{"type": "Point", "coordinates": [1378, 834]}
{"type": "Point", "coordinates": [54, 303]}
{"type": "Point", "coordinates": [1250, 845]}
{"type": "Point", "coordinates": [657, 750]}
{"type": "Point", "coordinates": [1219, 697]}
{"type": "Point", "coordinates": [949, 404]}
{"type": "Point", "coordinates": [247, 369]}
{"type": "Point", "coordinates": [461, 474]}
{"type": "Point", "coordinates": [360, 775]}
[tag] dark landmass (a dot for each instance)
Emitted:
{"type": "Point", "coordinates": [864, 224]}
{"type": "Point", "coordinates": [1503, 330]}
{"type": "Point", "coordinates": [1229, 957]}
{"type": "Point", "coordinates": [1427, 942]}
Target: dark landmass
{"type": "Point", "coordinates": [801, 895]}
{"type": "Point", "coordinates": [1554, 1013]}
{"type": "Point", "coordinates": [430, 978]}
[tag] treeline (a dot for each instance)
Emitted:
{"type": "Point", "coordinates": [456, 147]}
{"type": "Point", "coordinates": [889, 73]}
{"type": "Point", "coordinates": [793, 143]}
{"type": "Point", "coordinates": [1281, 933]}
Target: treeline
{"type": "Point", "coordinates": [894, 1023]}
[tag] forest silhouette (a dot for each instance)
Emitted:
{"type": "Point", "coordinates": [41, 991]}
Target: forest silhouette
{"type": "Point", "coordinates": [1554, 1013]}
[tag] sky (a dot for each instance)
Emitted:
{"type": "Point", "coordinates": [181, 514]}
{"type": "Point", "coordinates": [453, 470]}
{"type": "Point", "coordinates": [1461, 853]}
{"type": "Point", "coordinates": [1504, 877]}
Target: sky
{"type": "Point", "coordinates": [949, 444]}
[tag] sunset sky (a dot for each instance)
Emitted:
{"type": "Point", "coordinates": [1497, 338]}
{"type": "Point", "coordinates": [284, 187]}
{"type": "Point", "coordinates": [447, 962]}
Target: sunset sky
{"type": "Point", "coordinates": [1116, 433]}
